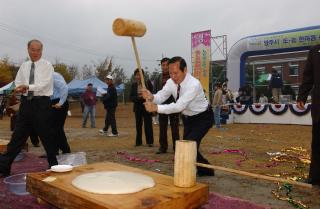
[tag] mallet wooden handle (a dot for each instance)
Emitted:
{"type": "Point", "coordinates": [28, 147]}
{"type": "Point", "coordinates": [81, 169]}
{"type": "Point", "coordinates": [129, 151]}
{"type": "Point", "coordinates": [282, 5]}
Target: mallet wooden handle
{"type": "Point", "coordinates": [138, 61]}
{"type": "Point", "coordinates": [258, 176]}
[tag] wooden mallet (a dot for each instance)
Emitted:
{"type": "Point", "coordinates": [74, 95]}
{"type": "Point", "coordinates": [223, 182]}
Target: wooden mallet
{"type": "Point", "coordinates": [132, 28]}
{"type": "Point", "coordinates": [185, 167]}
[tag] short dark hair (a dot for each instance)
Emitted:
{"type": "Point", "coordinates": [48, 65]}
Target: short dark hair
{"type": "Point", "coordinates": [34, 40]}
{"type": "Point", "coordinates": [90, 84]}
{"type": "Point", "coordinates": [165, 59]}
{"type": "Point", "coordinates": [182, 62]}
{"type": "Point", "coordinates": [137, 71]}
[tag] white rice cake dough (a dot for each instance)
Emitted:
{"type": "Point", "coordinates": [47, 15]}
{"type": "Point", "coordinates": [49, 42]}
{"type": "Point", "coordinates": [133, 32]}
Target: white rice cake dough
{"type": "Point", "coordinates": [113, 182]}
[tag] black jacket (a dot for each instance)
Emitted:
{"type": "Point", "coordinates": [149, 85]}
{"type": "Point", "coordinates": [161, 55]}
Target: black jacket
{"type": "Point", "coordinates": [138, 101]}
{"type": "Point", "coordinates": [311, 82]}
{"type": "Point", "coordinates": [158, 86]}
{"type": "Point", "coordinates": [276, 81]}
{"type": "Point", "coordinates": [110, 99]}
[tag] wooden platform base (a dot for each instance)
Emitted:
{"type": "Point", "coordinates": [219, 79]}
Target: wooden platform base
{"type": "Point", "coordinates": [164, 195]}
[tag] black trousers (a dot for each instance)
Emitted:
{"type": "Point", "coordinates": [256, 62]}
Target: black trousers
{"type": "Point", "coordinates": [111, 120]}
{"type": "Point", "coordinates": [314, 172]}
{"type": "Point", "coordinates": [195, 128]}
{"type": "Point", "coordinates": [141, 116]}
{"type": "Point", "coordinates": [58, 120]}
{"type": "Point", "coordinates": [163, 125]}
{"type": "Point", "coordinates": [33, 114]}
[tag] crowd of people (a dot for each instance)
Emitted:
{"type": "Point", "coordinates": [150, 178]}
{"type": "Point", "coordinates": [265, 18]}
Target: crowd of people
{"type": "Point", "coordinates": [174, 94]}
{"type": "Point", "coordinates": [43, 108]}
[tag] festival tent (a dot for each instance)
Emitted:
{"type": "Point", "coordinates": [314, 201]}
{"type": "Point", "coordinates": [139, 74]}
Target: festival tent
{"type": "Point", "coordinates": [7, 88]}
{"type": "Point", "coordinates": [120, 88]}
{"type": "Point", "coordinates": [77, 87]}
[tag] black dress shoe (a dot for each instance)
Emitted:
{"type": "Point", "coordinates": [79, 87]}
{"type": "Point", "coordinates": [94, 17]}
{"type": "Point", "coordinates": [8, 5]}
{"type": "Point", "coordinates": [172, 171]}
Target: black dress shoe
{"type": "Point", "coordinates": [161, 152]}
{"type": "Point", "coordinates": [150, 145]}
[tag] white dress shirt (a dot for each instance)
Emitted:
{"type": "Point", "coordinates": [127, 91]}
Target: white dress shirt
{"type": "Point", "coordinates": [192, 100]}
{"type": "Point", "coordinates": [43, 77]}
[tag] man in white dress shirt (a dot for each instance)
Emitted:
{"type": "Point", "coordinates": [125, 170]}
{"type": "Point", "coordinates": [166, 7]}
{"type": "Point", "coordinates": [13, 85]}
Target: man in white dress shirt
{"type": "Point", "coordinates": [34, 81]}
{"type": "Point", "coordinates": [190, 100]}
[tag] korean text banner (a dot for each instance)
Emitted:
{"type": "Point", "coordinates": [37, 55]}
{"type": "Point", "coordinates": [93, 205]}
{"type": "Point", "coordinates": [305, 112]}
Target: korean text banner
{"type": "Point", "coordinates": [201, 55]}
{"type": "Point", "coordinates": [285, 40]}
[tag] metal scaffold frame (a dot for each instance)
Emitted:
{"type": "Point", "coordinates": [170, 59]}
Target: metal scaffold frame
{"type": "Point", "coordinates": [219, 47]}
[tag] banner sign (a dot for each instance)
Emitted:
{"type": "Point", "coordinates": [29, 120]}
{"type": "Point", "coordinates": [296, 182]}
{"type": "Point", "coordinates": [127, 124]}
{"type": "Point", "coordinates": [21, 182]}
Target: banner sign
{"type": "Point", "coordinates": [201, 56]}
{"type": "Point", "coordinates": [284, 40]}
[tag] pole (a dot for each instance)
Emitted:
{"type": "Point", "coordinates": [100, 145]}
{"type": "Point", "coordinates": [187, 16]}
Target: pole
{"type": "Point", "coordinates": [138, 61]}
{"type": "Point", "coordinates": [253, 83]}
{"type": "Point", "coordinates": [253, 175]}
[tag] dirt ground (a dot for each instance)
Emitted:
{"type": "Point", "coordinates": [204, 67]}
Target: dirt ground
{"type": "Point", "coordinates": [238, 146]}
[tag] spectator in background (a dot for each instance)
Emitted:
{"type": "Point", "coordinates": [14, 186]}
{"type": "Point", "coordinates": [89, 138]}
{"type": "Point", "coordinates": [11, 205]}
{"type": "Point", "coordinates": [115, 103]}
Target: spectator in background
{"type": "Point", "coordinates": [217, 104]}
{"type": "Point", "coordinates": [227, 93]}
{"type": "Point", "coordinates": [244, 95]}
{"type": "Point", "coordinates": [60, 107]}
{"type": "Point", "coordinates": [110, 102]}
{"type": "Point", "coordinates": [225, 86]}
{"type": "Point", "coordinates": [263, 99]}
{"type": "Point", "coordinates": [141, 115]}
{"type": "Point", "coordinates": [163, 118]}
{"type": "Point", "coordinates": [89, 99]}
{"type": "Point", "coordinates": [275, 84]}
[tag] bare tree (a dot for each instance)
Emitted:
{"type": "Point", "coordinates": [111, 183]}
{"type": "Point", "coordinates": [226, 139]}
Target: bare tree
{"type": "Point", "coordinates": [7, 71]}
{"type": "Point", "coordinates": [63, 70]}
{"type": "Point", "coordinates": [74, 72]}
{"type": "Point", "coordinates": [118, 75]}
{"type": "Point", "coordinates": [87, 72]}
{"type": "Point", "coordinates": [104, 68]}
{"type": "Point", "coordinates": [107, 67]}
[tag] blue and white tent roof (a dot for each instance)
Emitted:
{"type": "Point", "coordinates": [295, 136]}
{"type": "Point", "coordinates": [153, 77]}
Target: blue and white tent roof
{"type": "Point", "coordinates": [77, 87]}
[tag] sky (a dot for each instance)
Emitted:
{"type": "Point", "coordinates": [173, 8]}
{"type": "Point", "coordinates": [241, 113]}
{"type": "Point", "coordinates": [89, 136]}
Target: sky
{"type": "Point", "coordinates": [79, 32]}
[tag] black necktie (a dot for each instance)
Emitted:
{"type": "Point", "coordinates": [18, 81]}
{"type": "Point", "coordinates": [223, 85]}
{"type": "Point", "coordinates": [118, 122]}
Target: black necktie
{"type": "Point", "coordinates": [31, 80]}
{"type": "Point", "coordinates": [178, 92]}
